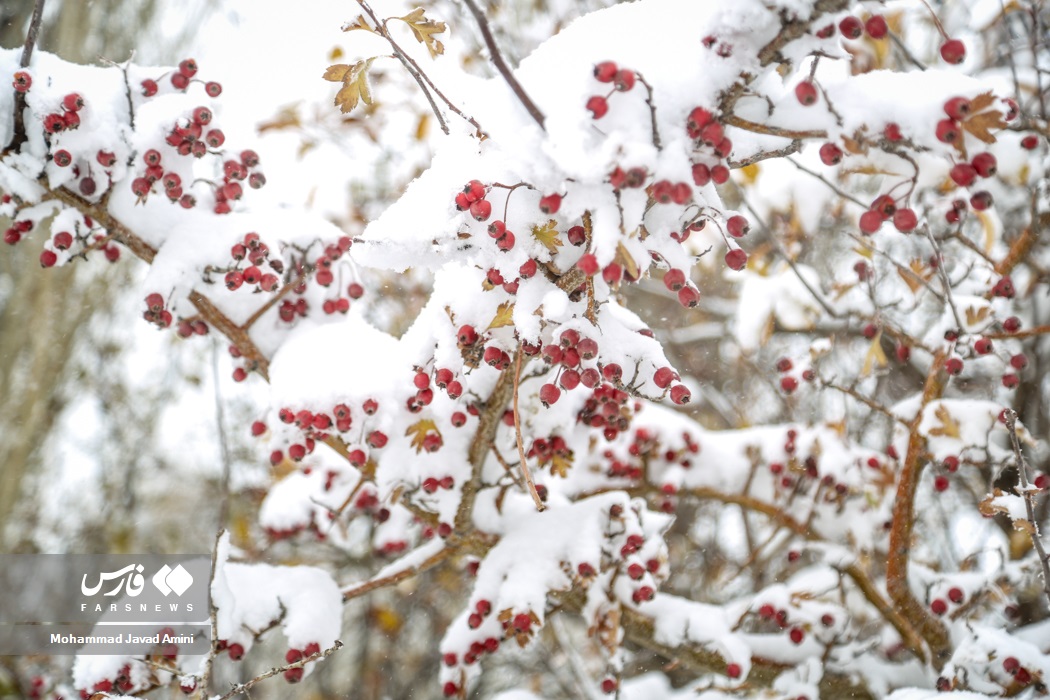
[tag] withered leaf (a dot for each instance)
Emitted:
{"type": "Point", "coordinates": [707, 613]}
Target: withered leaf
{"type": "Point", "coordinates": [560, 466]}
{"type": "Point", "coordinates": [949, 427]}
{"type": "Point", "coordinates": [547, 236]}
{"type": "Point", "coordinates": [978, 125]}
{"type": "Point", "coordinates": [625, 259]}
{"type": "Point", "coordinates": [504, 316]}
{"type": "Point", "coordinates": [418, 432]}
{"type": "Point", "coordinates": [874, 356]}
{"type": "Point", "coordinates": [359, 23]}
{"type": "Point", "coordinates": [424, 30]}
{"type": "Point", "coordinates": [355, 86]}
{"type": "Point", "coordinates": [336, 73]}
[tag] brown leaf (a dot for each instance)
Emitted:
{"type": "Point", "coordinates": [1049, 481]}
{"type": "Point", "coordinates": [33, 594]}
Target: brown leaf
{"type": "Point", "coordinates": [336, 73]}
{"type": "Point", "coordinates": [625, 259]}
{"type": "Point", "coordinates": [949, 427]}
{"type": "Point", "coordinates": [424, 30]}
{"type": "Point", "coordinates": [874, 356]}
{"type": "Point", "coordinates": [982, 102]}
{"type": "Point", "coordinates": [547, 236]}
{"type": "Point", "coordinates": [560, 466]}
{"type": "Point", "coordinates": [853, 146]}
{"type": "Point", "coordinates": [978, 125]}
{"type": "Point", "coordinates": [418, 431]}
{"type": "Point", "coordinates": [975, 316]}
{"type": "Point", "coordinates": [359, 23]}
{"type": "Point", "coordinates": [504, 316]}
{"type": "Point", "coordinates": [355, 86]}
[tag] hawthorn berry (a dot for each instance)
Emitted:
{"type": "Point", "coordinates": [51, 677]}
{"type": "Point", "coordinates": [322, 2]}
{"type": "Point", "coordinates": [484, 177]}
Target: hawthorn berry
{"type": "Point", "coordinates": [549, 394]}
{"type": "Point", "coordinates": [738, 226]}
{"type": "Point", "coordinates": [953, 51]}
{"type": "Point", "coordinates": [948, 131]}
{"type": "Point", "coordinates": [905, 220]}
{"type": "Point", "coordinates": [870, 222]}
{"type": "Point", "coordinates": [736, 259]}
{"type": "Point", "coordinates": [605, 71]}
{"type": "Point", "coordinates": [22, 81]}
{"type": "Point", "coordinates": [938, 606]}
{"type": "Point", "coordinates": [680, 394]}
{"type": "Point", "coordinates": [806, 92]}
{"type": "Point", "coordinates": [876, 27]}
{"type": "Point", "coordinates": [985, 164]}
{"type": "Point", "coordinates": [830, 154]}
{"type": "Point", "coordinates": [598, 106]}
{"type": "Point", "coordinates": [624, 80]}
{"type": "Point", "coordinates": [851, 27]}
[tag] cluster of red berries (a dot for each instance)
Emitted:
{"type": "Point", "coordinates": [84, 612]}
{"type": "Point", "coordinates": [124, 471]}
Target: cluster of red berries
{"type": "Point", "coordinates": [884, 208]}
{"type": "Point", "coordinates": [770, 615]}
{"type": "Point", "coordinates": [607, 409]}
{"type": "Point", "coordinates": [789, 382]}
{"type": "Point", "coordinates": [257, 253]}
{"type": "Point", "coordinates": [156, 312]}
{"type": "Point", "coordinates": [955, 595]}
{"type": "Point", "coordinates": [622, 80]}
{"type": "Point", "coordinates": [188, 136]}
{"type": "Point", "coordinates": [235, 172]}
{"type": "Point", "coordinates": [472, 198]}
{"type": "Point", "coordinates": [707, 132]}
{"type": "Point", "coordinates": [180, 80]}
{"type": "Point", "coordinates": [66, 120]}
{"type": "Point", "coordinates": [545, 450]}
{"type": "Point", "coordinates": [294, 675]}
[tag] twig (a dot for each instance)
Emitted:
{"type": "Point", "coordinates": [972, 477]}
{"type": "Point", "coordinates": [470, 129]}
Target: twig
{"type": "Point", "coordinates": [1027, 493]}
{"type": "Point", "coordinates": [248, 685]}
{"type": "Point", "coordinates": [903, 525]}
{"type": "Point", "coordinates": [943, 276]}
{"type": "Point", "coordinates": [652, 110]}
{"type": "Point", "coordinates": [398, 576]}
{"type": "Point", "coordinates": [769, 130]}
{"type": "Point", "coordinates": [501, 65]}
{"type": "Point", "coordinates": [907, 53]}
{"type": "Point", "coordinates": [517, 436]}
{"type": "Point", "coordinates": [27, 54]}
{"type": "Point", "coordinates": [790, 149]}
{"type": "Point", "coordinates": [827, 182]}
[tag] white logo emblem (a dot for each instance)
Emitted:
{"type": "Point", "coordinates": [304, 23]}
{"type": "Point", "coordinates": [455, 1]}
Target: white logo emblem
{"type": "Point", "coordinates": [169, 580]}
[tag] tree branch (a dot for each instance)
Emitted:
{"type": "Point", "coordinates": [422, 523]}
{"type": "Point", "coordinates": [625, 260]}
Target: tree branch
{"type": "Point", "coordinates": [501, 65]}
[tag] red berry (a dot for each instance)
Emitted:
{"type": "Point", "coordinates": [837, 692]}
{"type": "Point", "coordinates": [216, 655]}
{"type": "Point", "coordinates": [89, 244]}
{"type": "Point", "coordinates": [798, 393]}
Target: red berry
{"type": "Point", "coordinates": [905, 220]}
{"type": "Point", "coordinates": [736, 259]}
{"type": "Point", "coordinates": [870, 222]}
{"type": "Point", "coordinates": [981, 200]}
{"type": "Point", "coordinates": [22, 81]}
{"type": "Point", "coordinates": [293, 675]}
{"type": "Point", "coordinates": [680, 394]}
{"type": "Point", "coordinates": [963, 174]}
{"type": "Point", "coordinates": [624, 80]}
{"type": "Point", "coordinates": [938, 606]}
{"type": "Point", "coordinates": [983, 346]}
{"type": "Point", "coordinates": [806, 92]}
{"type": "Point", "coordinates": [733, 670]}
{"type": "Point", "coordinates": [940, 484]}
{"type": "Point", "coordinates": [663, 377]}
{"type": "Point", "coordinates": [985, 164]}
{"type": "Point", "coordinates": [851, 27]}
{"type": "Point", "coordinates": [738, 226]}
{"type": "Point", "coordinates": [1030, 142]}
{"type": "Point", "coordinates": [236, 651]}
{"type": "Point", "coordinates": [788, 384]}
{"type": "Point", "coordinates": [73, 102]}
{"type": "Point", "coordinates": [892, 132]}
{"type": "Point", "coordinates": [797, 634]}
{"type": "Point", "coordinates": [953, 366]}
{"type": "Point", "coordinates": [957, 108]}
{"type": "Point", "coordinates": [953, 51]}
{"type": "Point", "coordinates": [549, 394]}
{"type": "Point", "coordinates": [481, 209]}
{"type": "Point", "coordinates": [48, 258]}
{"type": "Point", "coordinates": [688, 297]}
{"type": "Point", "coordinates": [948, 131]}
{"type": "Point", "coordinates": [598, 106]}
{"type": "Point", "coordinates": [609, 685]}
{"type": "Point", "coordinates": [956, 595]}
{"type": "Point", "coordinates": [674, 280]}
{"type": "Point", "coordinates": [830, 154]}
{"type": "Point", "coordinates": [605, 71]}
{"type": "Point", "coordinates": [876, 27]}
{"type": "Point", "coordinates": [588, 264]}
{"type": "Point", "coordinates": [719, 174]}
{"type": "Point", "coordinates": [550, 203]}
